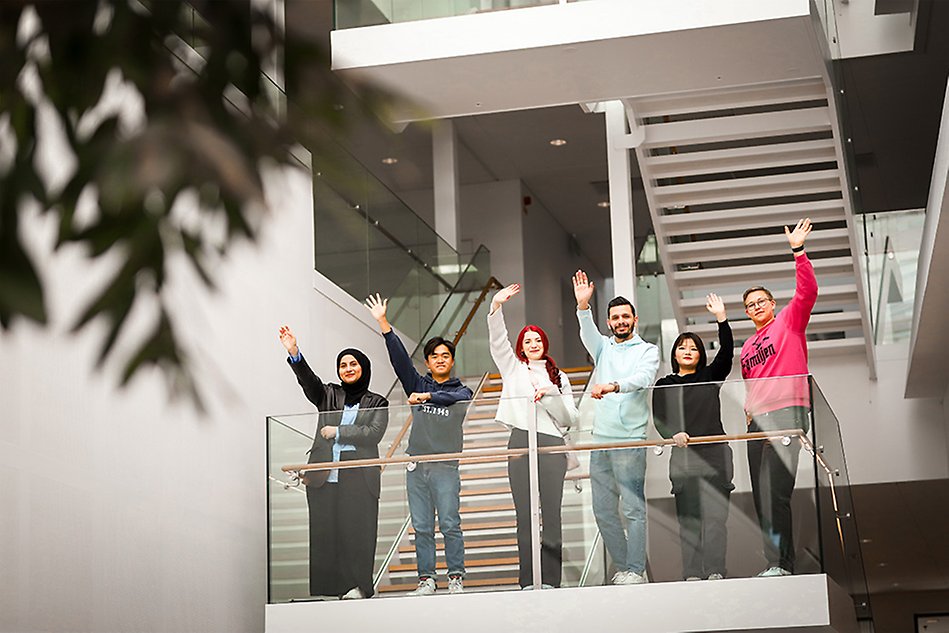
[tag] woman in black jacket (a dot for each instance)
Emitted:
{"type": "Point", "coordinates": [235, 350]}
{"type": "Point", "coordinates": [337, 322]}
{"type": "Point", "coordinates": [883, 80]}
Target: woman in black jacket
{"type": "Point", "coordinates": [686, 404]}
{"type": "Point", "coordinates": [343, 504]}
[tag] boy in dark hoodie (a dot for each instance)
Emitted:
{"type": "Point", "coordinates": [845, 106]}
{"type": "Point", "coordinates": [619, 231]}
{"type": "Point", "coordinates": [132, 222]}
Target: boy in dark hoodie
{"type": "Point", "coordinates": [436, 428]}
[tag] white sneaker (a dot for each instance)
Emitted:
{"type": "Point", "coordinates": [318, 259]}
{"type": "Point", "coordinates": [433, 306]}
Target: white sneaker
{"type": "Point", "coordinates": [691, 578]}
{"type": "Point", "coordinates": [531, 587]}
{"type": "Point", "coordinates": [715, 577]}
{"type": "Point", "coordinates": [774, 571]}
{"type": "Point", "coordinates": [426, 587]}
{"type": "Point", "coordinates": [628, 578]}
{"type": "Point", "coordinates": [353, 594]}
{"type": "Point", "coordinates": [455, 585]}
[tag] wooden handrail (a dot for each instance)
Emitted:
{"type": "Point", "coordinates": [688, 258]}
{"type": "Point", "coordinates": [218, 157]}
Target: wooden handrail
{"type": "Point", "coordinates": [469, 457]}
{"type": "Point", "coordinates": [492, 283]}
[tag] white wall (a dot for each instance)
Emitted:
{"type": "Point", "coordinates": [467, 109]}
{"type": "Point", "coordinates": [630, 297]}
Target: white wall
{"type": "Point", "coordinates": [548, 291]}
{"type": "Point", "coordinates": [123, 511]}
{"type": "Point", "coordinates": [886, 437]}
{"type": "Point", "coordinates": [491, 215]}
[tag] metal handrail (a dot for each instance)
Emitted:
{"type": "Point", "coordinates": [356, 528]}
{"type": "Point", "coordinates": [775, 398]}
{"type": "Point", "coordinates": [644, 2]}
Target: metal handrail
{"type": "Point", "coordinates": [490, 455]}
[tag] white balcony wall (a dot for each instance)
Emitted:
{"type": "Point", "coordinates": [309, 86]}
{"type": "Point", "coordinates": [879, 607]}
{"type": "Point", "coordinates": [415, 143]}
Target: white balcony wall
{"type": "Point", "coordinates": [123, 511]}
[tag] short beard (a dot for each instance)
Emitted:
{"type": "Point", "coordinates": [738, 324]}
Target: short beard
{"type": "Point", "coordinates": [622, 337]}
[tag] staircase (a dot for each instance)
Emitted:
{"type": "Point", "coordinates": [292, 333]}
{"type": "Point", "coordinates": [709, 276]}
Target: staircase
{"type": "Point", "coordinates": [487, 509]}
{"type": "Point", "coordinates": [724, 171]}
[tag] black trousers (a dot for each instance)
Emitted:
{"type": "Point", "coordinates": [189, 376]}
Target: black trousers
{"type": "Point", "coordinates": [343, 526]}
{"type": "Point", "coordinates": [551, 472]}
{"type": "Point", "coordinates": [773, 468]}
{"type": "Point", "coordinates": [702, 509]}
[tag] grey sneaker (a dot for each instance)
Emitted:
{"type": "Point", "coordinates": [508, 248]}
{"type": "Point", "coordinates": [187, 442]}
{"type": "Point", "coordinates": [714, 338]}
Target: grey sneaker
{"type": "Point", "coordinates": [774, 571]}
{"type": "Point", "coordinates": [426, 587]}
{"type": "Point", "coordinates": [715, 577]}
{"type": "Point", "coordinates": [628, 578]}
{"type": "Point", "coordinates": [455, 585]}
{"type": "Point", "coordinates": [353, 594]}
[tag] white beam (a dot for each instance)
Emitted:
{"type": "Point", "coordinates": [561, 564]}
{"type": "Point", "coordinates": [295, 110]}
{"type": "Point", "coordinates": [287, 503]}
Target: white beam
{"type": "Point", "coordinates": [621, 201]}
{"type": "Point", "coordinates": [445, 173]}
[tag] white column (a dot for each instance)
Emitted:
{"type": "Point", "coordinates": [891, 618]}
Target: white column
{"type": "Point", "coordinates": [445, 177]}
{"type": "Point", "coordinates": [621, 200]}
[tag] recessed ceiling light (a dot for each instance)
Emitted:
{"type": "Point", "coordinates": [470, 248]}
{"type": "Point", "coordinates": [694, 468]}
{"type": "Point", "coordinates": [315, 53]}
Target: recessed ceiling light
{"type": "Point", "coordinates": [558, 142]}
{"type": "Point", "coordinates": [389, 160]}
{"type": "Point", "coordinates": [881, 564]}
{"type": "Point", "coordinates": [603, 204]}
{"type": "Point", "coordinates": [866, 540]}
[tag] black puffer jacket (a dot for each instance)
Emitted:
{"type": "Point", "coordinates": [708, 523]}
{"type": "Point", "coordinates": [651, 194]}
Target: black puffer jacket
{"type": "Point", "coordinates": [365, 433]}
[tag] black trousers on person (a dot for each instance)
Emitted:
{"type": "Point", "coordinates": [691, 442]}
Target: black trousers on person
{"type": "Point", "coordinates": [702, 509]}
{"type": "Point", "coordinates": [551, 472]}
{"type": "Point", "coordinates": [343, 527]}
{"type": "Point", "coordinates": [773, 468]}
{"type": "Point", "coordinates": [702, 484]}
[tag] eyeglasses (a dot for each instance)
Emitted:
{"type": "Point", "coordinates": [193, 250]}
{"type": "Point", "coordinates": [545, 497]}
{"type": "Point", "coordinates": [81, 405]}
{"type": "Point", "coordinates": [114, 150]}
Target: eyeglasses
{"type": "Point", "coordinates": [760, 303]}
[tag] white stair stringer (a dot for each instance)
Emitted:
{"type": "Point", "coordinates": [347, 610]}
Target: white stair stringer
{"type": "Point", "coordinates": [724, 171]}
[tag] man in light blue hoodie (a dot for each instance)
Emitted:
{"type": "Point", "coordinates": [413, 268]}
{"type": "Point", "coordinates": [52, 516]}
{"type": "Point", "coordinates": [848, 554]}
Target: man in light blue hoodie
{"type": "Point", "coordinates": [625, 367]}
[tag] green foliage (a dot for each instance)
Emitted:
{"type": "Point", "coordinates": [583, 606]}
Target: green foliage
{"type": "Point", "coordinates": [196, 135]}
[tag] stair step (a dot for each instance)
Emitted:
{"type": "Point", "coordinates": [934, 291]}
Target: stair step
{"type": "Point", "coordinates": [750, 274]}
{"type": "Point", "coordinates": [497, 507]}
{"type": "Point", "coordinates": [469, 544]}
{"type": "Point", "coordinates": [737, 248]}
{"type": "Point", "coordinates": [811, 89]}
{"type": "Point", "coordinates": [761, 217]}
{"type": "Point", "coordinates": [491, 474]}
{"type": "Point", "coordinates": [829, 347]}
{"type": "Point", "coordinates": [494, 490]}
{"type": "Point", "coordinates": [500, 444]}
{"type": "Point", "coordinates": [741, 158]}
{"type": "Point", "coordinates": [754, 188]}
{"type": "Point", "coordinates": [472, 582]}
{"type": "Point", "coordinates": [469, 564]}
{"type": "Point", "coordinates": [744, 126]}
{"type": "Point", "coordinates": [485, 429]}
{"type": "Point", "coordinates": [501, 524]}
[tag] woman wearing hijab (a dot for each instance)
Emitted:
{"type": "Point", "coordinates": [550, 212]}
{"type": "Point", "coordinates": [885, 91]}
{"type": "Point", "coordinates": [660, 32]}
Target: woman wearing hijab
{"type": "Point", "coordinates": [686, 404]}
{"type": "Point", "coordinates": [533, 386]}
{"type": "Point", "coordinates": [343, 503]}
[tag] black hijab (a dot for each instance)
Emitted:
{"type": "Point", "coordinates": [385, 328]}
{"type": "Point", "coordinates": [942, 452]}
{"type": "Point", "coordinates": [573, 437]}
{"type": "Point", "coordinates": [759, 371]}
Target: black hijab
{"type": "Point", "coordinates": [355, 391]}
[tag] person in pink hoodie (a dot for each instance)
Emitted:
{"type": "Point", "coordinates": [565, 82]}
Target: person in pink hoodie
{"type": "Point", "coordinates": [778, 351]}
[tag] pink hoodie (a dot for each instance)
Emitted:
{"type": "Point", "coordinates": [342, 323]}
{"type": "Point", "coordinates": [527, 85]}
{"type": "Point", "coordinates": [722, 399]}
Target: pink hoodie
{"type": "Point", "coordinates": [780, 349]}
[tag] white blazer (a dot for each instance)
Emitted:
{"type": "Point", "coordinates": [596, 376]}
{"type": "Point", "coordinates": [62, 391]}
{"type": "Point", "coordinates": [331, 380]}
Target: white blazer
{"type": "Point", "coordinates": [555, 411]}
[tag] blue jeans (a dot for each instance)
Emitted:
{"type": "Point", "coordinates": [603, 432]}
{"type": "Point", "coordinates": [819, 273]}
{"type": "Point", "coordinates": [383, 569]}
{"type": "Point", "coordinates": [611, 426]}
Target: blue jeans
{"type": "Point", "coordinates": [618, 479]}
{"type": "Point", "coordinates": [435, 487]}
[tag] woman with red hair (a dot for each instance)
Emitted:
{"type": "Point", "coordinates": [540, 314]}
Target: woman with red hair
{"type": "Point", "coordinates": [533, 386]}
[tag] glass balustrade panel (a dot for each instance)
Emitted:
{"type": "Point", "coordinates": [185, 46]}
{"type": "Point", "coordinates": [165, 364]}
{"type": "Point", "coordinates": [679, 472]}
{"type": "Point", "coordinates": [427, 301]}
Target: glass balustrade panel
{"type": "Point", "coordinates": [700, 509]}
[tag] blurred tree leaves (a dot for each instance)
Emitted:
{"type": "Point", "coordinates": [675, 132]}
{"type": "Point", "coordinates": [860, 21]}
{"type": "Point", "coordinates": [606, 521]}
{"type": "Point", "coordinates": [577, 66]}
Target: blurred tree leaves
{"type": "Point", "coordinates": [208, 126]}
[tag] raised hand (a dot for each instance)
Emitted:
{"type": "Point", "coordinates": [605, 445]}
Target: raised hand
{"type": "Point", "coordinates": [503, 295]}
{"type": "Point", "coordinates": [799, 234]}
{"type": "Point", "coordinates": [288, 340]}
{"type": "Point", "coordinates": [582, 289]}
{"type": "Point", "coordinates": [377, 308]}
{"type": "Point", "coordinates": [715, 305]}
